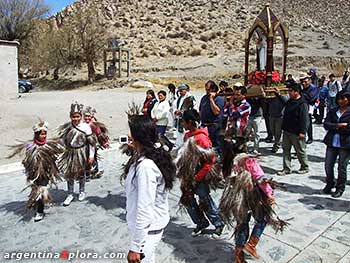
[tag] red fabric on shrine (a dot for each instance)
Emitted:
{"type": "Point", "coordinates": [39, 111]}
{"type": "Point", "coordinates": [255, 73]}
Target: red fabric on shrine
{"type": "Point", "coordinates": [259, 77]}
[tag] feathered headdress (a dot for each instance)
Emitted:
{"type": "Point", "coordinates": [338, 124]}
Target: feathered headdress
{"type": "Point", "coordinates": [75, 107]}
{"type": "Point", "coordinates": [41, 126]}
{"type": "Point", "coordinates": [89, 111]}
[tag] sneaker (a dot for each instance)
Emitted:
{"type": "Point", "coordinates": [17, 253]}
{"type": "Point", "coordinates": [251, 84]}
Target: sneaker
{"type": "Point", "coordinates": [283, 172]}
{"type": "Point", "coordinates": [218, 231]}
{"type": "Point", "coordinates": [303, 171]}
{"type": "Point", "coordinates": [198, 230]}
{"type": "Point", "coordinates": [81, 196]}
{"type": "Point", "coordinates": [338, 193]}
{"type": "Point", "coordinates": [68, 200]}
{"type": "Point", "coordinates": [38, 217]}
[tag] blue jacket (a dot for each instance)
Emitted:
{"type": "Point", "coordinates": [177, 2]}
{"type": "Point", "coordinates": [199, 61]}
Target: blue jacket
{"type": "Point", "coordinates": [311, 94]}
{"type": "Point", "coordinates": [323, 93]}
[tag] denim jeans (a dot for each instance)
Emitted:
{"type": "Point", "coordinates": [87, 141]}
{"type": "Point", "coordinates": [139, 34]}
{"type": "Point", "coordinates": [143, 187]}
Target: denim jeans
{"type": "Point", "coordinates": [207, 204]}
{"type": "Point", "coordinates": [331, 157]}
{"type": "Point", "coordinates": [242, 233]}
{"type": "Point", "coordinates": [214, 135]}
{"type": "Point", "coordinates": [161, 130]}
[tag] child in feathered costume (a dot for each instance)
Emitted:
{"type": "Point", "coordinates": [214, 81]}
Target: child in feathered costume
{"type": "Point", "coordinates": [197, 170]}
{"type": "Point", "coordinates": [79, 142]}
{"type": "Point", "coordinates": [100, 131]}
{"type": "Point", "coordinates": [248, 192]}
{"type": "Point", "coordinates": [40, 167]}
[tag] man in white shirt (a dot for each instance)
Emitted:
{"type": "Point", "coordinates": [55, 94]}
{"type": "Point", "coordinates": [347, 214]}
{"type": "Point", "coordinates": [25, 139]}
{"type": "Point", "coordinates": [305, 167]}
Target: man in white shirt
{"type": "Point", "coordinates": [185, 101]}
{"type": "Point", "coordinates": [334, 87]}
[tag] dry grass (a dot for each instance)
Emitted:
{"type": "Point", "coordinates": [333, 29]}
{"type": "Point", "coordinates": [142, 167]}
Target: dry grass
{"type": "Point", "coordinates": [338, 68]}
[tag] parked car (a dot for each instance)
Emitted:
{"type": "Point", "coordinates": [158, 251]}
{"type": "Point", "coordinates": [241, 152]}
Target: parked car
{"type": "Point", "coordinates": [24, 86]}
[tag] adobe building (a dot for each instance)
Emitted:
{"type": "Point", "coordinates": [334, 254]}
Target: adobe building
{"type": "Point", "coordinates": [8, 69]}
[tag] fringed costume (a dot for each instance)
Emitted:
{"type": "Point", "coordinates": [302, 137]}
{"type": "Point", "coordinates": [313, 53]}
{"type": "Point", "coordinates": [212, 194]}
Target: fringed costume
{"type": "Point", "coordinates": [101, 132]}
{"type": "Point", "coordinates": [40, 167]}
{"type": "Point", "coordinates": [248, 192]}
{"type": "Point", "coordinates": [198, 171]}
{"type": "Point", "coordinates": [79, 143]}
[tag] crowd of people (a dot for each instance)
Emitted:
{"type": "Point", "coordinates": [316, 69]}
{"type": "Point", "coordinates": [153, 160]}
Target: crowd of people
{"type": "Point", "coordinates": [210, 149]}
{"type": "Point", "coordinates": [226, 120]}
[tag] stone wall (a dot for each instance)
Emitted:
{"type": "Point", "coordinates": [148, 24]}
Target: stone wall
{"type": "Point", "coordinates": [8, 70]}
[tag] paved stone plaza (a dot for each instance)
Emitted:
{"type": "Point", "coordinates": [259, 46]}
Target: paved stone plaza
{"type": "Point", "coordinates": [319, 228]}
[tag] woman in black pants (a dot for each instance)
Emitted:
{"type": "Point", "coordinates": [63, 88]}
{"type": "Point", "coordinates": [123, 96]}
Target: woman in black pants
{"type": "Point", "coordinates": [337, 124]}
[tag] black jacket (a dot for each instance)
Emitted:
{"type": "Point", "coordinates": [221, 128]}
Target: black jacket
{"type": "Point", "coordinates": [296, 116]}
{"type": "Point", "coordinates": [331, 123]}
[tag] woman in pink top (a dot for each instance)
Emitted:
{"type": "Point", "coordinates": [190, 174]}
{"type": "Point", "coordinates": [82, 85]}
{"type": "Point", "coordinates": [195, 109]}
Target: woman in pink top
{"type": "Point", "coordinates": [247, 193]}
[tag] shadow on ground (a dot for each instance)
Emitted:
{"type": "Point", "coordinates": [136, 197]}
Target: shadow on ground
{"type": "Point", "coordinates": [325, 203]}
{"type": "Point", "coordinates": [19, 207]}
{"type": "Point", "coordinates": [190, 250]}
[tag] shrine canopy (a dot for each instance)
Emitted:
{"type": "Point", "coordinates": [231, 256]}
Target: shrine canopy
{"type": "Point", "coordinates": [267, 26]}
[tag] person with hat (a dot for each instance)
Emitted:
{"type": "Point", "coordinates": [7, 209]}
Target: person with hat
{"type": "Point", "coordinates": [40, 167]}
{"type": "Point", "coordinates": [79, 142]}
{"type": "Point", "coordinates": [311, 94]}
{"type": "Point", "coordinates": [185, 101]}
{"type": "Point", "coordinates": [294, 126]}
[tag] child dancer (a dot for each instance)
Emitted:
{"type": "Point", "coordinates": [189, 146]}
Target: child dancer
{"type": "Point", "coordinates": [40, 167]}
{"type": "Point", "coordinates": [248, 192]}
{"type": "Point", "coordinates": [100, 131]}
{"type": "Point", "coordinates": [80, 143]}
{"type": "Point", "coordinates": [198, 172]}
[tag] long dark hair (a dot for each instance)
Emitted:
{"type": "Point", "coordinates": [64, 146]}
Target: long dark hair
{"type": "Point", "coordinates": [144, 131]}
{"type": "Point", "coordinates": [192, 116]}
{"type": "Point", "coordinates": [231, 148]}
{"type": "Point", "coordinates": [172, 88]}
{"type": "Point", "coordinates": [152, 94]}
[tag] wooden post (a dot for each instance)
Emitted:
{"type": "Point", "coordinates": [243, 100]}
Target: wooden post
{"type": "Point", "coordinates": [269, 60]}
{"type": "Point", "coordinates": [105, 62]}
{"type": "Point", "coordinates": [246, 66]}
{"type": "Point", "coordinates": [284, 66]}
{"type": "Point", "coordinates": [128, 63]}
{"type": "Point", "coordinates": [120, 62]}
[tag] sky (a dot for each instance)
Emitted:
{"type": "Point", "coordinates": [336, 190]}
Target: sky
{"type": "Point", "coordinates": [57, 5]}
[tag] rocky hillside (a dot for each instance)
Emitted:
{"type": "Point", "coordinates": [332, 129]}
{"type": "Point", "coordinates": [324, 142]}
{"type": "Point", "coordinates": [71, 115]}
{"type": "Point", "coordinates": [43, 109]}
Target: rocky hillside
{"type": "Point", "coordinates": [200, 27]}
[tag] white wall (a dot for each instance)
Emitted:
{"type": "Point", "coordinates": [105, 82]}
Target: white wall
{"type": "Point", "coordinates": [8, 71]}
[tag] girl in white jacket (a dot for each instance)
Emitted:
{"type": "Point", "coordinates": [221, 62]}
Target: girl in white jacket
{"type": "Point", "coordinates": [150, 175]}
{"type": "Point", "coordinates": [160, 113]}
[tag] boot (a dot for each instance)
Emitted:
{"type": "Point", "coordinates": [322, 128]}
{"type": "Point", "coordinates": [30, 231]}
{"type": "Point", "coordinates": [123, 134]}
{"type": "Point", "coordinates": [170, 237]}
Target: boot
{"type": "Point", "coordinates": [239, 255]}
{"type": "Point", "coordinates": [250, 247]}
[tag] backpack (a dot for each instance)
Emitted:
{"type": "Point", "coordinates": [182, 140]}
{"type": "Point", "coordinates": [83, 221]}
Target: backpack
{"type": "Point", "coordinates": [336, 84]}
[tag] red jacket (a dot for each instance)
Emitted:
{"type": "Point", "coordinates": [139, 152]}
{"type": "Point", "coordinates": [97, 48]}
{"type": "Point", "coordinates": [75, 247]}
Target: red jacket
{"type": "Point", "coordinates": [202, 139]}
